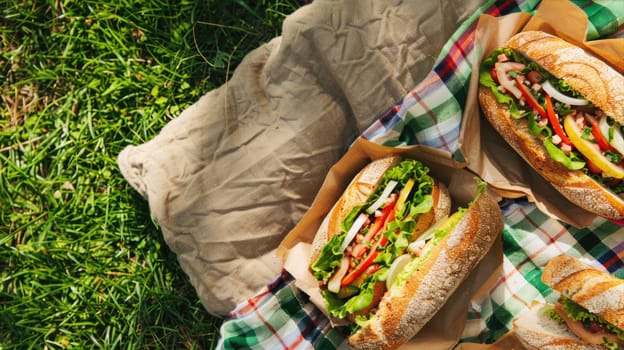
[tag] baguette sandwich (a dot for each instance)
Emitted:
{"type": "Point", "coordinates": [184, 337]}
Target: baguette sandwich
{"type": "Point", "coordinates": [389, 253]}
{"type": "Point", "coordinates": [562, 110]}
{"type": "Point", "coordinates": [588, 315]}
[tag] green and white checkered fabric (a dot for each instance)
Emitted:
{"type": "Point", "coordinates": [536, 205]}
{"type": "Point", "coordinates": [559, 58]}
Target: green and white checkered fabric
{"type": "Point", "coordinates": [530, 240]}
{"type": "Point", "coordinates": [282, 317]}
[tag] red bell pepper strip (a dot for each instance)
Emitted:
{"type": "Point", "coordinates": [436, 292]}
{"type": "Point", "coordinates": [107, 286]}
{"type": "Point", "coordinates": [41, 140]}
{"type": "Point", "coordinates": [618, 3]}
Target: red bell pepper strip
{"type": "Point", "coordinates": [530, 99]}
{"type": "Point", "coordinates": [554, 121]}
{"type": "Point", "coordinates": [380, 220]}
{"type": "Point", "coordinates": [601, 140]}
{"type": "Point", "coordinates": [375, 227]}
{"type": "Point", "coordinates": [353, 275]}
{"type": "Point", "coordinates": [363, 265]}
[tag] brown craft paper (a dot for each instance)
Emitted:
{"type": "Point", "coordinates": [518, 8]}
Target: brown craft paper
{"type": "Point", "coordinates": [445, 328]}
{"type": "Point", "coordinates": [489, 157]}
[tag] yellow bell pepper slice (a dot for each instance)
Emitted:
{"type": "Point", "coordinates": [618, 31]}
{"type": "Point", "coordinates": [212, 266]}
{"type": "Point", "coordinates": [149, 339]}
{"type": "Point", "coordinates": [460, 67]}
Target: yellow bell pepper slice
{"type": "Point", "coordinates": [590, 150]}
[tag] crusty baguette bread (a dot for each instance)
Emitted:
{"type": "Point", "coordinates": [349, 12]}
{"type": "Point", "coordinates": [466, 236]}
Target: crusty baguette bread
{"type": "Point", "coordinates": [593, 78]}
{"type": "Point", "coordinates": [599, 292]}
{"type": "Point", "coordinates": [538, 331]}
{"type": "Point", "coordinates": [406, 308]}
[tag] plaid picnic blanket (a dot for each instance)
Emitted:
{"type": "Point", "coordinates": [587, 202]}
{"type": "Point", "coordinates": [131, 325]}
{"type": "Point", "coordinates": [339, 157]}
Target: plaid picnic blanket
{"type": "Point", "coordinates": [281, 316]}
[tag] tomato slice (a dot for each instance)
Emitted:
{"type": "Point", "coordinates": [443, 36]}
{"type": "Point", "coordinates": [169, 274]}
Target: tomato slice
{"type": "Point", "coordinates": [554, 121]}
{"type": "Point", "coordinates": [592, 167]}
{"type": "Point", "coordinates": [494, 75]}
{"type": "Point", "coordinates": [530, 99]}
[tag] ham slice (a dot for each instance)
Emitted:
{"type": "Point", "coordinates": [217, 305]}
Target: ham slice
{"type": "Point", "coordinates": [502, 72]}
{"type": "Point", "coordinates": [595, 333]}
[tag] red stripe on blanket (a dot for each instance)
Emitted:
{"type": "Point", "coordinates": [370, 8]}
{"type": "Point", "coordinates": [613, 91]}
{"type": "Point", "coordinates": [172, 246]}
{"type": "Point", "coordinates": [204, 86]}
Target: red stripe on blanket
{"type": "Point", "coordinates": [456, 55]}
{"type": "Point", "coordinates": [267, 324]}
{"type": "Point", "coordinates": [499, 9]}
{"type": "Point", "coordinates": [613, 260]}
{"type": "Point", "coordinates": [265, 294]}
{"type": "Point", "coordinates": [420, 101]}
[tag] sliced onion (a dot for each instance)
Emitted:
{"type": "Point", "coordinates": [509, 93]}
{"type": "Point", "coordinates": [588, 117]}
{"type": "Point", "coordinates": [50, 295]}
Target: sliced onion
{"type": "Point", "coordinates": [554, 93]}
{"type": "Point", "coordinates": [355, 228]}
{"type": "Point", "coordinates": [618, 140]}
{"type": "Point", "coordinates": [395, 269]}
{"type": "Point", "coordinates": [502, 72]}
{"type": "Point", "coordinates": [382, 198]}
{"type": "Point", "coordinates": [334, 282]}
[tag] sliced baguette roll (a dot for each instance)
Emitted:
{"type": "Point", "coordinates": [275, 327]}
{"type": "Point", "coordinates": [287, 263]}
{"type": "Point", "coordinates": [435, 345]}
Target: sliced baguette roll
{"type": "Point", "coordinates": [597, 82]}
{"type": "Point", "coordinates": [597, 291]}
{"type": "Point", "coordinates": [536, 330]}
{"type": "Point", "coordinates": [406, 308]}
{"type": "Point", "coordinates": [357, 192]}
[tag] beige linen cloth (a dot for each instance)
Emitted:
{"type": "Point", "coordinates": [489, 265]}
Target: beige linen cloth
{"type": "Point", "coordinates": [232, 174]}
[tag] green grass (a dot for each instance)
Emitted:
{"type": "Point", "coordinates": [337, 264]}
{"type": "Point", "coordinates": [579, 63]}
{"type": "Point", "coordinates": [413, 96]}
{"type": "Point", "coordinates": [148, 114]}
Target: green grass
{"type": "Point", "coordinates": [82, 265]}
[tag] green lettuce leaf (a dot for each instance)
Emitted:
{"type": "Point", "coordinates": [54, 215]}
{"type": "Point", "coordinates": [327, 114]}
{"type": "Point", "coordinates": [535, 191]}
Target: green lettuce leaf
{"type": "Point", "coordinates": [329, 258]}
{"type": "Point", "coordinates": [571, 161]}
{"type": "Point", "coordinates": [340, 308]}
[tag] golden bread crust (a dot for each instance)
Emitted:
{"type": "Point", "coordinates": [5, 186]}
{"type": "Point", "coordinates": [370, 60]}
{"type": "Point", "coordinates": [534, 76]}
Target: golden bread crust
{"type": "Point", "coordinates": [406, 308]}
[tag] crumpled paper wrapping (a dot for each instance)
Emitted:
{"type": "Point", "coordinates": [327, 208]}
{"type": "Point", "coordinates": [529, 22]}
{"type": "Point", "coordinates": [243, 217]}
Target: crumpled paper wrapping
{"type": "Point", "coordinates": [445, 328]}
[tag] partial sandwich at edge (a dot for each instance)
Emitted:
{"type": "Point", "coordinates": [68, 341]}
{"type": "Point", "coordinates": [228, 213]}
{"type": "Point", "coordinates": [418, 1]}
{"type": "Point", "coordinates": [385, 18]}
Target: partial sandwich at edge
{"type": "Point", "coordinates": [588, 315]}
